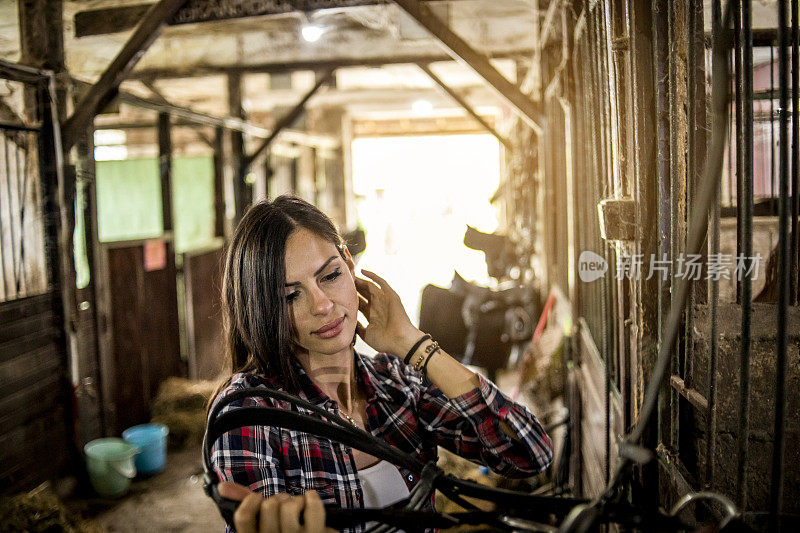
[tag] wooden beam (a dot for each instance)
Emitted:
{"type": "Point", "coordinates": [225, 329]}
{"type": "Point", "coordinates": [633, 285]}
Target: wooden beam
{"type": "Point", "coordinates": [102, 92]}
{"type": "Point", "coordinates": [461, 51]}
{"type": "Point", "coordinates": [319, 65]}
{"type": "Point", "coordinates": [219, 182]}
{"type": "Point", "coordinates": [290, 117]}
{"type": "Point", "coordinates": [122, 18]}
{"type": "Point", "coordinates": [151, 86]}
{"type": "Point", "coordinates": [165, 170]}
{"type": "Point", "coordinates": [188, 116]}
{"type": "Point", "coordinates": [463, 103]}
{"type": "Point", "coordinates": [238, 156]}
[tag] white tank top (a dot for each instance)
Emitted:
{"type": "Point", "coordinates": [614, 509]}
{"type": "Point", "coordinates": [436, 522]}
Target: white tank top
{"type": "Point", "coordinates": [382, 485]}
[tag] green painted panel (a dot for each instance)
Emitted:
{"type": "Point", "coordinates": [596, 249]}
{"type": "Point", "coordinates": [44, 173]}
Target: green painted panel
{"type": "Point", "coordinates": [193, 202]}
{"type": "Point", "coordinates": [129, 200]}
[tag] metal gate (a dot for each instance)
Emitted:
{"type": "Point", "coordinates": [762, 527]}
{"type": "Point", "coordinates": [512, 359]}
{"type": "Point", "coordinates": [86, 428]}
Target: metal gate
{"type": "Point", "coordinates": [614, 180]}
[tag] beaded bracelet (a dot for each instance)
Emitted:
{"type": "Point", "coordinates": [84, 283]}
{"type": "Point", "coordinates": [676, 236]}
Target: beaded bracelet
{"type": "Point", "coordinates": [425, 355]}
{"type": "Point", "coordinates": [413, 349]}
{"type": "Point", "coordinates": [425, 366]}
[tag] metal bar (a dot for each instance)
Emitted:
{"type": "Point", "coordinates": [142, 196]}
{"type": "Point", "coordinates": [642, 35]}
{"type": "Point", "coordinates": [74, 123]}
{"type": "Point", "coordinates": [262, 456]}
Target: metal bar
{"type": "Point", "coordinates": [730, 149]}
{"type": "Point", "coordinates": [463, 103]}
{"type": "Point", "coordinates": [793, 276]}
{"type": "Point", "coordinates": [776, 485]}
{"type": "Point", "coordinates": [772, 122]}
{"type": "Point", "coordinates": [674, 197]}
{"type": "Point", "coordinates": [746, 283]}
{"type": "Point", "coordinates": [107, 86]}
{"type": "Point", "coordinates": [288, 119]}
{"type": "Point", "coordinates": [611, 188]}
{"type": "Point", "coordinates": [739, 135]}
{"type": "Point", "coordinates": [460, 50]}
{"type": "Point", "coordinates": [662, 75]}
{"type": "Point", "coordinates": [711, 426]}
{"type": "Point", "coordinates": [165, 170]}
{"type": "Point", "coordinates": [691, 170]}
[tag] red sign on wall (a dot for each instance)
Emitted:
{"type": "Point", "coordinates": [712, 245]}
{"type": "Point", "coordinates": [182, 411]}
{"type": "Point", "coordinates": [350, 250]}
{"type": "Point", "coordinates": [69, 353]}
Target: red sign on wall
{"type": "Point", "coordinates": [155, 255]}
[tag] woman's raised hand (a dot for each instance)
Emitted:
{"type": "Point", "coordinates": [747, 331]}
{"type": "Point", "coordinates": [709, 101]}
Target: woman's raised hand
{"type": "Point", "coordinates": [277, 514]}
{"type": "Point", "coordinates": [389, 329]}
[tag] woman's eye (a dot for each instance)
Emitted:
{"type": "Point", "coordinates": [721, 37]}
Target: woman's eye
{"type": "Point", "coordinates": [333, 275]}
{"type": "Point", "coordinates": [291, 296]}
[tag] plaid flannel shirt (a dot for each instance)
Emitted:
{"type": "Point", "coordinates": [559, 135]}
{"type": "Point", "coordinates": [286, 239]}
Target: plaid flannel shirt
{"type": "Point", "coordinates": [403, 409]}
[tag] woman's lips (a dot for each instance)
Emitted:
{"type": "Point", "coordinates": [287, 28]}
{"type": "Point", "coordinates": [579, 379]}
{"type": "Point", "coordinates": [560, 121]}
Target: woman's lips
{"type": "Point", "coordinates": [331, 329]}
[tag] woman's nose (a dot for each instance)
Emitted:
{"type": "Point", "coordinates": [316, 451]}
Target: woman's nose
{"type": "Point", "coordinates": [321, 304]}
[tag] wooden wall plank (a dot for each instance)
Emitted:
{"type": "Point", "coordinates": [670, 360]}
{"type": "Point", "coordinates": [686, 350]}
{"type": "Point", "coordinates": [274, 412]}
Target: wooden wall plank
{"type": "Point", "coordinates": [203, 279]}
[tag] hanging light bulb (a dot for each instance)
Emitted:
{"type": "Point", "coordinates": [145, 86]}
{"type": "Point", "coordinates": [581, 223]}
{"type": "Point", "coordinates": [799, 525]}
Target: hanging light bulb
{"type": "Point", "coordinates": [312, 32]}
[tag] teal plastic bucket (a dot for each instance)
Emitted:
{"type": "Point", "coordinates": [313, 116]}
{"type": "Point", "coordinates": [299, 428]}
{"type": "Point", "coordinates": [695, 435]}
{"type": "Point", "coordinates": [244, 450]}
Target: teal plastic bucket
{"type": "Point", "coordinates": [151, 439]}
{"type": "Point", "coordinates": [110, 465]}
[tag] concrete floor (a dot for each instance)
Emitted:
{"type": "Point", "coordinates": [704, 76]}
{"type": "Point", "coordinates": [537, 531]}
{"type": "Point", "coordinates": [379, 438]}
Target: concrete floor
{"type": "Point", "coordinates": [172, 501]}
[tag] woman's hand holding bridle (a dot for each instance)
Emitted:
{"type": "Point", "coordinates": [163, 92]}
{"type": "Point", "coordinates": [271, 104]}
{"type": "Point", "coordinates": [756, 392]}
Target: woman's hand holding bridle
{"type": "Point", "coordinates": [388, 329]}
{"type": "Point", "coordinates": [277, 514]}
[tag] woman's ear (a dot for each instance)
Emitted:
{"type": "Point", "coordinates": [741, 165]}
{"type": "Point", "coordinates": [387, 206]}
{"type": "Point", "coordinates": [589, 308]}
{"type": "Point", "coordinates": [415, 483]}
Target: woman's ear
{"type": "Point", "coordinates": [348, 259]}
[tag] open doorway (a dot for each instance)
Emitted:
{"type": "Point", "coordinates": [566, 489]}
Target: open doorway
{"type": "Point", "coordinates": [415, 197]}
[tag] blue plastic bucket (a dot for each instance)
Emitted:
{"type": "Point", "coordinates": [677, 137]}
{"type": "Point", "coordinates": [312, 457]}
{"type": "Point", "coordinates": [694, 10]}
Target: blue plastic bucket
{"type": "Point", "coordinates": [110, 465]}
{"type": "Point", "coordinates": [151, 439]}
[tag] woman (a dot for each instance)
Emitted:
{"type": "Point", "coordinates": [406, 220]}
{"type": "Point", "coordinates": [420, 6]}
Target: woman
{"type": "Point", "coordinates": [291, 301]}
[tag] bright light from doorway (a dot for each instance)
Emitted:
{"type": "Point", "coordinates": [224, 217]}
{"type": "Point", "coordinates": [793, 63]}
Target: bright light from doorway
{"type": "Point", "coordinates": [416, 196]}
{"type": "Point", "coordinates": [109, 145]}
{"type": "Point", "coordinates": [421, 107]}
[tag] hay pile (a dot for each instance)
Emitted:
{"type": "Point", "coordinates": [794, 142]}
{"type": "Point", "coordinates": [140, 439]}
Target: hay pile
{"type": "Point", "coordinates": [41, 511]}
{"type": "Point", "coordinates": [181, 406]}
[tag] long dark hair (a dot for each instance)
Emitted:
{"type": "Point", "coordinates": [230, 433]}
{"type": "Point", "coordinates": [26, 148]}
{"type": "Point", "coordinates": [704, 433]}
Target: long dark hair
{"type": "Point", "coordinates": [257, 325]}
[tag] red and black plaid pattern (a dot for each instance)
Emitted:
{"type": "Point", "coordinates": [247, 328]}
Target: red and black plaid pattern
{"type": "Point", "coordinates": [403, 409]}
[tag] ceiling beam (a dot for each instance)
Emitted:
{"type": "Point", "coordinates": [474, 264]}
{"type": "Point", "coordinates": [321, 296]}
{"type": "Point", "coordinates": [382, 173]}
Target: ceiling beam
{"type": "Point", "coordinates": [461, 51]}
{"type": "Point", "coordinates": [102, 92]}
{"type": "Point", "coordinates": [290, 117]}
{"type": "Point", "coordinates": [271, 67]}
{"type": "Point", "coordinates": [468, 108]}
{"type": "Point", "coordinates": [185, 113]}
{"type": "Point", "coordinates": [118, 19]}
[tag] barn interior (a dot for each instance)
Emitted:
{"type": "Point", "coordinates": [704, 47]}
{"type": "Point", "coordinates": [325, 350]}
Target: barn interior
{"type": "Point", "coordinates": [594, 203]}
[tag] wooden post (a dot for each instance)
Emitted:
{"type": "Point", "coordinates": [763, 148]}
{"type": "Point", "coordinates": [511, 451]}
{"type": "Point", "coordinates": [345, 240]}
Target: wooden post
{"type": "Point", "coordinates": [41, 37]}
{"type": "Point", "coordinates": [268, 173]}
{"type": "Point", "coordinates": [42, 46]}
{"type": "Point", "coordinates": [165, 170]}
{"type": "Point", "coordinates": [238, 157]}
{"type": "Point", "coordinates": [219, 185]}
